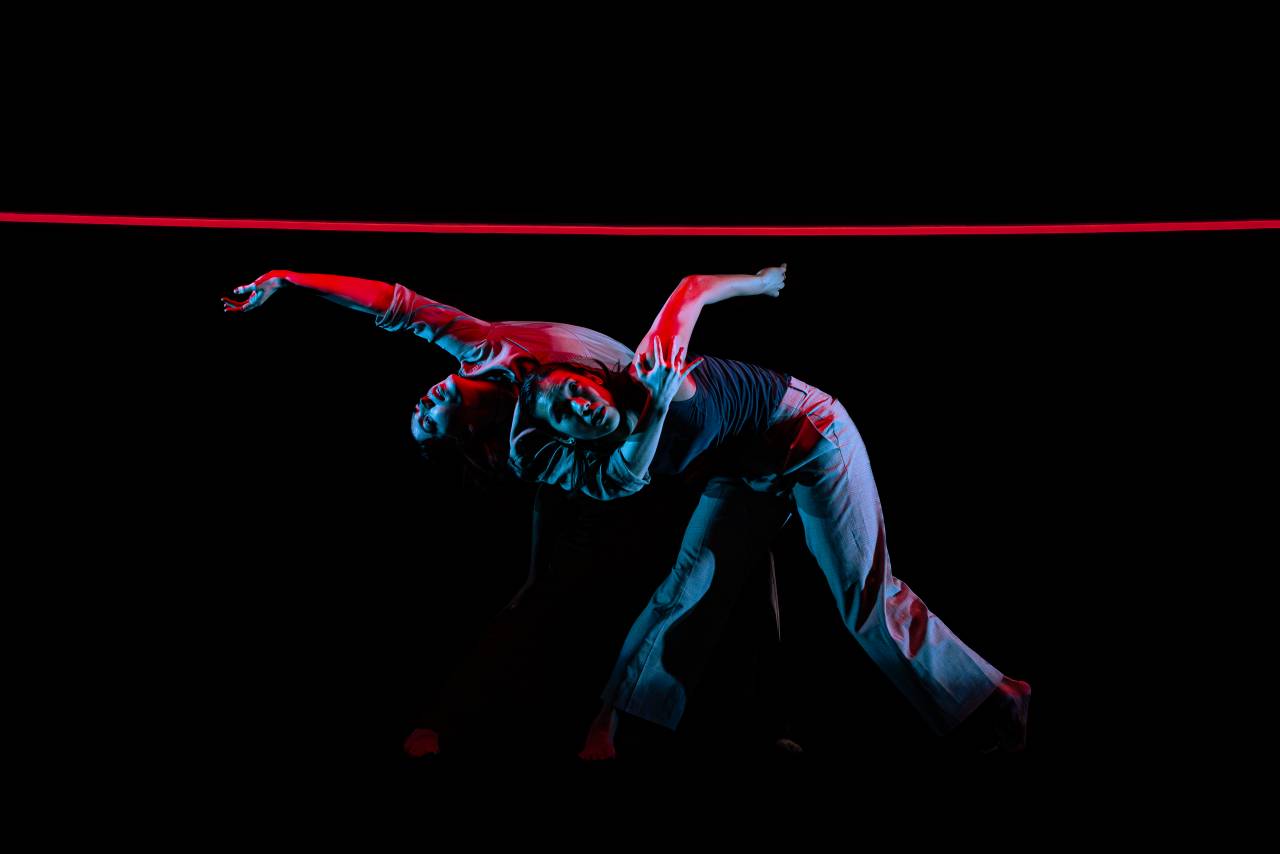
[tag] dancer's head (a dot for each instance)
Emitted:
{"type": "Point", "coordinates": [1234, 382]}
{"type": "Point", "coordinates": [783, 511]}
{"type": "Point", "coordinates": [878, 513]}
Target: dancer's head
{"type": "Point", "coordinates": [577, 402]}
{"type": "Point", "coordinates": [468, 414]}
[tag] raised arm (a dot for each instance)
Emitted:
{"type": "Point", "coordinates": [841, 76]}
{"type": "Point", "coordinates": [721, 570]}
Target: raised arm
{"type": "Point", "coordinates": [663, 373]}
{"type": "Point", "coordinates": [367, 295]}
{"type": "Point", "coordinates": [397, 308]}
{"type": "Point", "coordinates": [625, 471]}
{"type": "Point", "coordinates": [660, 366]}
{"type": "Point", "coordinates": [660, 359]}
{"type": "Point", "coordinates": [674, 324]}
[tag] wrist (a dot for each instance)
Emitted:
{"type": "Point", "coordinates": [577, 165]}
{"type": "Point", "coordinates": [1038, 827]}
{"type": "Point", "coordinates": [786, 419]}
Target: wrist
{"type": "Point", "coordinates": [655, 412]}
{"type": "Point", "coordinates": [740, 286]}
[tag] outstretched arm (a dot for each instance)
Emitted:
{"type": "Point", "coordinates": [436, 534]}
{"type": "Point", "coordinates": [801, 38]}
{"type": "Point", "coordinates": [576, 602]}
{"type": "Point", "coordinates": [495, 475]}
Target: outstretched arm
{"type": "Point", "coordinates": [464, 337]}
{"type": "Point", "coordinates": [367, 295]}
{"type": "Point", "coordinates": [666, 377]}
{"type": "Point", "coordinates": [674, 324]}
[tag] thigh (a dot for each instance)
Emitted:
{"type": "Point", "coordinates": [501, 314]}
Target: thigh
{"type": "Point", "coordinates": [837, 500]}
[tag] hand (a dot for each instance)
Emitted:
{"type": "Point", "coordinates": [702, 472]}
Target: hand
{"type": "Point", "coordinates": [660, 375]}
{"type": "Point", "coordinates": [772, 280]}
{"type": "Point", "coordinates": [259, 291]}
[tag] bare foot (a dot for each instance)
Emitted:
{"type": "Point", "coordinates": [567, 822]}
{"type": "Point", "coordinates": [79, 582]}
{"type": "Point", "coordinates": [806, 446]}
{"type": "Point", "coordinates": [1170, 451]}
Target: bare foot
{"type": "Point", "coordinates": [598, 746]}
{"type": "Point", "coordinates": [422, 742]}
{"type": "Point", "coordinates": [1011, 698]}
{"type": "Point", "coordinates": [599, 743]}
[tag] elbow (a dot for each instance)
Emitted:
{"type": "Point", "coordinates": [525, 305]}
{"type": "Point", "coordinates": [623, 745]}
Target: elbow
{"type": "Point", "coordinates": [693, 290]}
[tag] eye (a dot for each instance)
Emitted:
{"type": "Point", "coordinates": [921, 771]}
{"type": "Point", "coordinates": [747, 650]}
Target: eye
{"type": "Point", "coordinates": [573, 387]}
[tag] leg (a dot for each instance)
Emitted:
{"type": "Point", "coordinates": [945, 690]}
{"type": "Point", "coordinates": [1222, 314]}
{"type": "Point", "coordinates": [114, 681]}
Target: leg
{"type": "Point", "coordinates": [839, 506]}
{"type": "Point", "coordinates": [775, 675]}
{"type": "Point", "coordinates": [669, 644]}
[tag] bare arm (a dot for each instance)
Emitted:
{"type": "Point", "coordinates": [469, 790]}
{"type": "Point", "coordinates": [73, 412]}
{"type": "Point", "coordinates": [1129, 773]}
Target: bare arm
{"type": "Point", "coordinates": [625, 470]}
{"type": "Point", "coordinates": [667, 378]}
{"type": "Point", "coordinates": [462, 336]}
{"type": "Point", "coordinates": [660, 359]}
{"type": "Point", "coordinates": [367, 295]}
{"type": "Point", "coordinates": [679, 315]}
{"type": "Point", "coordinates": [663, 375]}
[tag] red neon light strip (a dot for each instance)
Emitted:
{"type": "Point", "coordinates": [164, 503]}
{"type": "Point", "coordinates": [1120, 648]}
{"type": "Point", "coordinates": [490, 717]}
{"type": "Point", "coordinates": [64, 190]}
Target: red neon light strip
{"type": "Point", "coordinates": [648, 230]}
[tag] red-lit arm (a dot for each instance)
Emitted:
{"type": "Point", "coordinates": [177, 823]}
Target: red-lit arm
{"type": "Point", "coordinates": [626, 470]}
{"type": "Point", "coordinates": [397, 308]}
{"type": "Point", "coordinates": [367, 295]}
{"type": "Point", "coordinates": [662, 374]}
{"type": "Point", "coordinates": [674, 324]}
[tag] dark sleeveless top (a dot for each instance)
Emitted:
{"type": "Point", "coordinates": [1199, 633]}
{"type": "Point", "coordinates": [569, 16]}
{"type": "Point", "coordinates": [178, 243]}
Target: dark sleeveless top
{"type": "Point", "coordinates": [734, 400]}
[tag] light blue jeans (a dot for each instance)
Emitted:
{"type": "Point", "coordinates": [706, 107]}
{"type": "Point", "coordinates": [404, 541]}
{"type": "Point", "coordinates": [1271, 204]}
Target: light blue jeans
{"type": "Point", "coordinates": [817, 459]}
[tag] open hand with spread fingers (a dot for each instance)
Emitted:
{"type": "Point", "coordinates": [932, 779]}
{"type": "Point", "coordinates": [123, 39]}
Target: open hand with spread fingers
{"type": "Point", "coordinates": [663, 375]}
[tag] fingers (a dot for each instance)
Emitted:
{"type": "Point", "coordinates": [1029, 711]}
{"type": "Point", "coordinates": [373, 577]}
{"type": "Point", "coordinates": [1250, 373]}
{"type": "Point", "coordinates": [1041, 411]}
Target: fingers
{"type": "Point", "coordinates": [255, 299]}
{"type": "Point", "coordinates": [689, 368]}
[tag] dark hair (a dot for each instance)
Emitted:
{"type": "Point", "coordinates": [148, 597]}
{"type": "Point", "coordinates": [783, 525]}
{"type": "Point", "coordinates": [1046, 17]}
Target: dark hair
{"type": "Point", "coordinates": [533, 450]}
{"type": "Point", "coordinates": [629, 396]}
{"type": "Point", "coordinates": [483, 449]}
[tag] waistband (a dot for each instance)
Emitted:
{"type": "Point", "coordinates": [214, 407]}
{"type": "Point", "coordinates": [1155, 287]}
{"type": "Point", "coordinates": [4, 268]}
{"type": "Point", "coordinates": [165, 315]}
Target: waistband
{"type": "Point", "coordinates": [792, 399]}
{"type": "Point", "coordinates": [797, 390]}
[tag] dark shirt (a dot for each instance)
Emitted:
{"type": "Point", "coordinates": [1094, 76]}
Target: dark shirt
{"type": "Point", "coordinates": [734, 400]}
{"type": "Point", "coordinates": [723, 426]}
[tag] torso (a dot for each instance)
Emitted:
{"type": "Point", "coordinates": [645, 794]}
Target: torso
{"type": "Point", "coordinates": [732, 403]}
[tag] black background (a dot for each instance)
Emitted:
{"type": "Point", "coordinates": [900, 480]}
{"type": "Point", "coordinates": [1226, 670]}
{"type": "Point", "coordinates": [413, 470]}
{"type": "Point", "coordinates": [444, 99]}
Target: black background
{"type": "Point", "coordinates": [308, 593]}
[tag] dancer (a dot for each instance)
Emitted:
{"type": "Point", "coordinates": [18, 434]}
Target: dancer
{"type": "Point", "coordinates": [471, 410]}
{"type": "Point", "coordinates": [758, 430]}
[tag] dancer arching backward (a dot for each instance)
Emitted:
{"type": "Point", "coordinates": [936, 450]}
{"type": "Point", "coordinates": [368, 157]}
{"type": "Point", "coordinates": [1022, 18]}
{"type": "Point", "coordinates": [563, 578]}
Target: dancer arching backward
{"type": "Point", "coordinates": [760, 430]}
{"type": "Point", "coordinates": [471, 410]}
